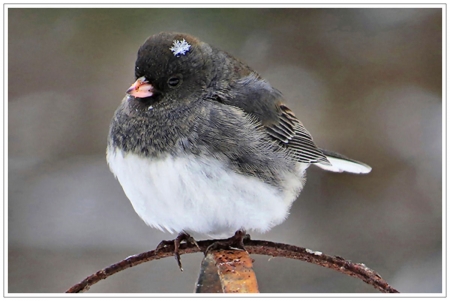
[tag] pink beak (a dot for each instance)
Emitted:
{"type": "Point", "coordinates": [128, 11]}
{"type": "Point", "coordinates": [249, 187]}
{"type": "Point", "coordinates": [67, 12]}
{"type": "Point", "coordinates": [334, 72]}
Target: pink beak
{"type": "Point", "coordinates": [141, 88]}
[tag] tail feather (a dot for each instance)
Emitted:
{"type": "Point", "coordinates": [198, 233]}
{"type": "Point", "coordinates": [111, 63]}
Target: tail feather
{"type": "Point", "coordinates": [341, 163]}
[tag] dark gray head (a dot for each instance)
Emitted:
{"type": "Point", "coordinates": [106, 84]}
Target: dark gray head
{"type": "Point", "coordinates": [171, 67]}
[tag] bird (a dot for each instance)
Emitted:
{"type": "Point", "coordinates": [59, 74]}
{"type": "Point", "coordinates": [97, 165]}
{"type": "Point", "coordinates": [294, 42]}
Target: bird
{"type": "Point", "coordinates": [202, 144]}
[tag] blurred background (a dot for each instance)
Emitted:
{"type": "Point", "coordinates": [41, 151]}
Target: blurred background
{"type": "Point", "coordinates": [365, 82]}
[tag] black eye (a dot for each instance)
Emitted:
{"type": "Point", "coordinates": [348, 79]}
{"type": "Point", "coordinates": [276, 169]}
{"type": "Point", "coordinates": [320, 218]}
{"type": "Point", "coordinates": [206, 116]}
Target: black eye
{"type": "Point", "coordinates": [174, 81]}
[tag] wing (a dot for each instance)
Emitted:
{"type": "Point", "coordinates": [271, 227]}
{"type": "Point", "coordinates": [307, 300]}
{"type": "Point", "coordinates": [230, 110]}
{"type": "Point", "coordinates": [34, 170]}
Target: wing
{"type": "Point", "coordinates": [292, 135]}
{"type": "Point", "coordinates": [257, 98]}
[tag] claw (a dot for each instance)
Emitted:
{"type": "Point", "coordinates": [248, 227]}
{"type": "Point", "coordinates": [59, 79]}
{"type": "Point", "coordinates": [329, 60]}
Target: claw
{"type": "Point", "coordinates": [182, 236]}
{"type": "Point", "coordinates": [234, 242]}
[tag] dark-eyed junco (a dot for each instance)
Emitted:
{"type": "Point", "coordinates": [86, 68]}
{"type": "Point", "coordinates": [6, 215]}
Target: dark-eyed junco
{"type": "Point", "coordinates": [201, 143]}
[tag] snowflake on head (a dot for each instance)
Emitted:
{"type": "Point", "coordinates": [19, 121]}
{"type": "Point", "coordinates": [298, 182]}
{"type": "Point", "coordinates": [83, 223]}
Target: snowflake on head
{"type": "Point", "coordinates": [180, 47]}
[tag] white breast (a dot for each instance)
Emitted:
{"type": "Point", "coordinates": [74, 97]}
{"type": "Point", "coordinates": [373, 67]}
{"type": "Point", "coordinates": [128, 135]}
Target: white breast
{"type": "Point", "coordinates": [193, 195]}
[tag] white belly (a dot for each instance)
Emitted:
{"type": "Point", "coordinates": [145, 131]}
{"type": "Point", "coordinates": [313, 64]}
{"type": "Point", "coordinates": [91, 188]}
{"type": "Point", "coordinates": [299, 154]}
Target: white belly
{"type": "Point", "coordinates": [186, 194]}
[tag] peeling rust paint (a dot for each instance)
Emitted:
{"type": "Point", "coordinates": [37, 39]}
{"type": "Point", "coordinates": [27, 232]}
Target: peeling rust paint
{"type": "Point", "coordinates": [227, 271]}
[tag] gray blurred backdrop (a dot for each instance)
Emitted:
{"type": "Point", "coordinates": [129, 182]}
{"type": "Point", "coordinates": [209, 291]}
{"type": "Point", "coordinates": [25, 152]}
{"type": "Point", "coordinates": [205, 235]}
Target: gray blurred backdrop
{"type": "Point", "coordinates": [365, 82]}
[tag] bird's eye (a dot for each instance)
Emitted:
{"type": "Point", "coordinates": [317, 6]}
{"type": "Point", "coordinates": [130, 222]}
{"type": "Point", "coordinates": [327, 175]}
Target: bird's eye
{"type": "Point", "coordinates": [174, 81]}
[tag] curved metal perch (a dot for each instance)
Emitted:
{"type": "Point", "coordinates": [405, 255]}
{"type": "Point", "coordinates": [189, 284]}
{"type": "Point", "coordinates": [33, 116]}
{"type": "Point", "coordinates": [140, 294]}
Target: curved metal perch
{"type": "Point", "coordinates": [260, 247]}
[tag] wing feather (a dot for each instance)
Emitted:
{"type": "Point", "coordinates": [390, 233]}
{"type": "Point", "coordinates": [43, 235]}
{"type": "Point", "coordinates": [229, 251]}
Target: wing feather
{"type": "Point", "coordinates": [292, 135]}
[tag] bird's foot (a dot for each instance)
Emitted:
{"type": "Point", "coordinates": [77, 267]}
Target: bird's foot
{"type": "Point", "coordinates": [235, 242]}
{"type": "Point", "coordinates": [182, 236]}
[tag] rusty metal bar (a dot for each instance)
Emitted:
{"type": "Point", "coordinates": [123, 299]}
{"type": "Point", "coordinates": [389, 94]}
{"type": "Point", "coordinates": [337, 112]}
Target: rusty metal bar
{"type": "Point", "coordinates": [227, 271]}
